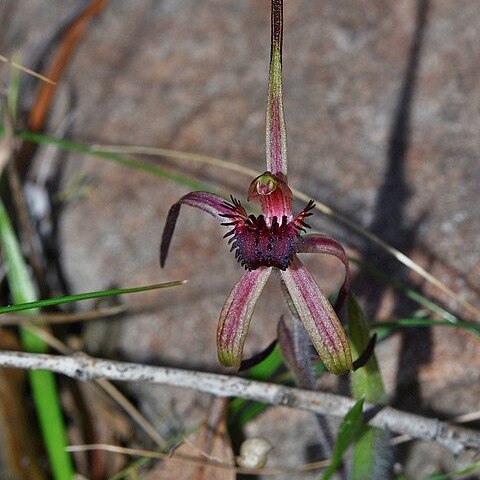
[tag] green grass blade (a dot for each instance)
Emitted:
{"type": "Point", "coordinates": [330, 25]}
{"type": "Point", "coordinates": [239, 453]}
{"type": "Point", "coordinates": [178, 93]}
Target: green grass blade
{"type": "Point", "coordinates": [113, 157]}
{"type": "Point", "coordinates": [385, 328]}
{"type": "Point", "coordinates": [241, 411]}
{"type": "Point", "coordinates": [366, 383]}
{"type": "Point", "coordinates": [86, 296]}
{"type": "Point", "coordinates": [12, 94]}
{"type": "Point", "coordinates": [351, 426]}
{"type": "Point", "coordinates": [459, 473]}
{"type": "Point", "coordinates": [408, 292]}
{"type": "Point", "coordinates": [42, 383]}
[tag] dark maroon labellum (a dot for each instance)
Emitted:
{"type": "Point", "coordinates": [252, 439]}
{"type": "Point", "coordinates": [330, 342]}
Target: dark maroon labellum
{"type": "Point", "coordinates": [257, 244]}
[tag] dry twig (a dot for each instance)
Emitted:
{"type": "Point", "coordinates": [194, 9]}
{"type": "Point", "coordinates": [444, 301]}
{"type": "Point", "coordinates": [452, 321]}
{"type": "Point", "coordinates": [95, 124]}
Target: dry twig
{"type": "Point", "coordinates": [82, 367]}
{"type": "Point", "coordinates": [26, 70]}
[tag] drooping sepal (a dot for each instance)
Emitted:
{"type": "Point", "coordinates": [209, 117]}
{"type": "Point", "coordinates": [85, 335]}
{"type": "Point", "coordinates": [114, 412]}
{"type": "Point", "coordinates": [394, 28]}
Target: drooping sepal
{"type": "Point", "coordinates": [294, 345]}
{"type": "Point", "coordinates": [208, 202]}
{"type": "Point", "coordinates": [318, 243]}
{"type": "Point", "coordinates": [318, 318]}
{"type": "Point", "coordinates": [236, 315]}
{"type": "Point", "coordinates": [276, 135]}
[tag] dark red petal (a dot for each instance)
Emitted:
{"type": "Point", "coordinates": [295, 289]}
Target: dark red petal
{"type": "Point", "coordinates": [318, 243]}
{"type": "Point", "coordinates": [318, 318]}
{"type": "Point", "coordinates": [294, 346]}
{"type": "Point", "coordinates": [236, 315]}
{"type": "Point", "coordinates": [208, 202]}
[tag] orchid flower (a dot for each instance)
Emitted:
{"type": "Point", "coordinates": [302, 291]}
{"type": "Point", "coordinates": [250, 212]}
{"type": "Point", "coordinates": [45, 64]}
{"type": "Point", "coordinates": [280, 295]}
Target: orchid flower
{"type": "Point", "coordinates": [271, 241]}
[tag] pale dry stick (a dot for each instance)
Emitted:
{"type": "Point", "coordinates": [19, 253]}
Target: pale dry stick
{"type": "Point", "coordinates": [4, 155]}
{"type": "Point", "coordinates": [131, 410]}
{"type": "Point", "coordinates": [399, 439]}
{"type": "Point", "coordinates": [465, 418]}
{"type": "Point", "coordinates": [26, 70]}
{"type": "Point", "coordinates": [181, 458]}
{"type": "Point", "coordinates": [177, 154]}
{"type": "Point", "coordinates": [82, 367]}
{"type": "Point", "coordinates": [107, 386]}
{"type": "Point", "coordinates": [320, 206]}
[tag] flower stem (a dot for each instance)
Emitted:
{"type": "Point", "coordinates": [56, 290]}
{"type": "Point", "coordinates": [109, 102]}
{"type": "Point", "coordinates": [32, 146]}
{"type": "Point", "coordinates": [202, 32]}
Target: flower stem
{"type": "Point", "coordinates": [276, 135]}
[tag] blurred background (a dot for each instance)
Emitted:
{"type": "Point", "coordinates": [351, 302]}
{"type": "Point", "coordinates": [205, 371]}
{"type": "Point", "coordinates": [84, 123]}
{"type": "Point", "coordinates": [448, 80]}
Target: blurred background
{"type": "Point", "coordinates": [382, 105]}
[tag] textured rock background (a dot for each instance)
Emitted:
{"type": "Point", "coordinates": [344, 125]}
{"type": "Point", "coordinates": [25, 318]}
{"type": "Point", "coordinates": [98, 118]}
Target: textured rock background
{"type": "Point", "coordinates": [383, 103]}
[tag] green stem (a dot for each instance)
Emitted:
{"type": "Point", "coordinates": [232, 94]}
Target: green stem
{"type": "Point", "coordinates": [276, 134]}
{"type": "Point", "coordinates": [43, 385]}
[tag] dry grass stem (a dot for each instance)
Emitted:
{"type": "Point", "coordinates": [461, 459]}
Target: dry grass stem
{"type": "Point", "coordinates": [320, 206]}
{"type": "Point", "coordinates": [26, 70]}
{"type": "Point", "coordinates": [202, 461]}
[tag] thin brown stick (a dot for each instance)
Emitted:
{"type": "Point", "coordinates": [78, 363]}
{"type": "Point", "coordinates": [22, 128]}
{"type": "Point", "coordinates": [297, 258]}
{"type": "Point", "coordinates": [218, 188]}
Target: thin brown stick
{"type": "Point", "coordinates": [71, 38]}
{"type": "Point", "coordinates": [454, 438]}
{"type": "Point", "coordinates": [181, 458]}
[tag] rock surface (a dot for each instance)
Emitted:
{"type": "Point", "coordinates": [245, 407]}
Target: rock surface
{"type": "Point", "coordinates": [383, 114]}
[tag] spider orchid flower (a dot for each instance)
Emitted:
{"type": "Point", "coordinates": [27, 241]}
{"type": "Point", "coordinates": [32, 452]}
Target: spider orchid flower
{"type": "Point", "coordinates": [271, 241]}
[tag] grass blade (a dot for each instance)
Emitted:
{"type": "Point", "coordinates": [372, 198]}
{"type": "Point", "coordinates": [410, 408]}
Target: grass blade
{"type": "Point", "coordinates": [371, 448]}
{"type": "Point", "coordinates": [408, 292]}
{"type": "Point", "coordinates": [385, 328]}
{"type": "Point", "coordinates": [42, 383]}
{"type": "Point", "coordinates": [86, 296]}
{"type": "Point", "coordinates": [113, 157]}
{"type": "Point", "coordinates": [366, 381]}
{"type": "Point", "coordinates": [349, 430]}
{"type": "Point", "coordinates": [241, 411]}
{"type": "Point", "coordinates": [459, 473]}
